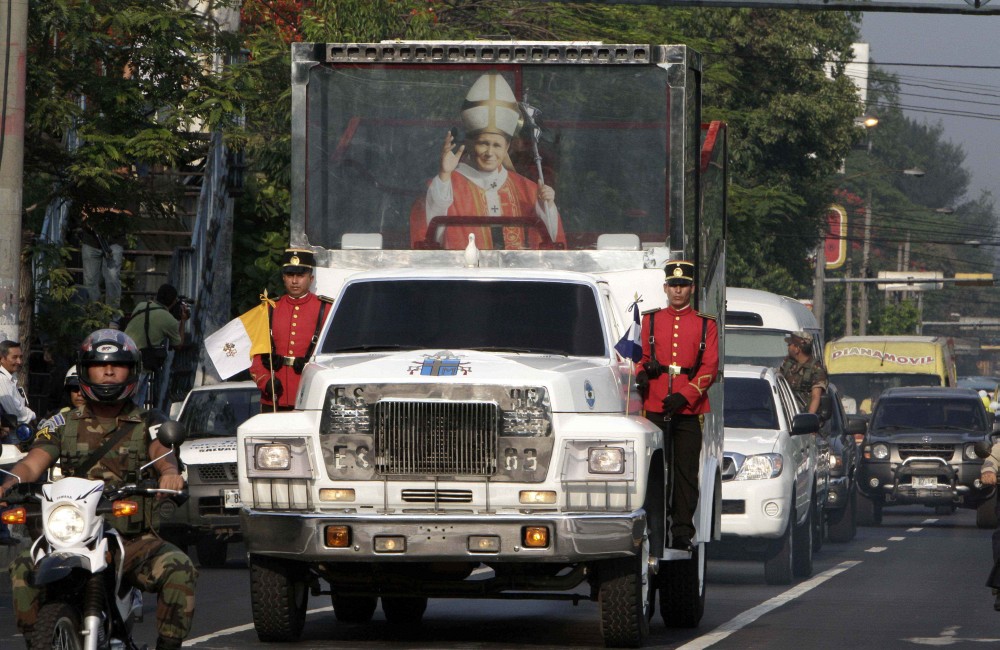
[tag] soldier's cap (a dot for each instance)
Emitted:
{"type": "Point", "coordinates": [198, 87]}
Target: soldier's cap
{"type": "Point", "coordinates": [297, 260]}
{"type": "Point", "coordinates": [799, 338]}
{"type": "Point", "coordinates": [679, 272]}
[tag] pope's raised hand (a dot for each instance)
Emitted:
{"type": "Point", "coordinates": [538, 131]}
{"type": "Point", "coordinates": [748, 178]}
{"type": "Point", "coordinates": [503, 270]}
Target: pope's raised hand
{"type": "Point", "coordinates": [449, 158]}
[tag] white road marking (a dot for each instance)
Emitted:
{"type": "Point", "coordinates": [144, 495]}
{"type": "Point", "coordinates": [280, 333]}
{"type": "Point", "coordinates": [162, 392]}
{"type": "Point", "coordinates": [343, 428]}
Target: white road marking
{"type": "Point", "coordinates": [914, 530]}
{"type": "Point", "coordinates": [928, 522]}
{"type": "Point", "coordinates": [948, 636]}
{"type": "Point", "coordinates": [241, 628]}
{"type": "Point", "coordinates": [896, 539]}
{"type": "Point", "coordinates": [751, 615]}
{"type": "Point", "coordinates": [876, 549]}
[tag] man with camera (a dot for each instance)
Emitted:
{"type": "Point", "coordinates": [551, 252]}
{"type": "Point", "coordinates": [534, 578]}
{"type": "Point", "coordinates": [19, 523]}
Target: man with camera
{"type": "Point", "coordinates": [151, 325]}
{"type": "Point", "coordinates": [680, 360]}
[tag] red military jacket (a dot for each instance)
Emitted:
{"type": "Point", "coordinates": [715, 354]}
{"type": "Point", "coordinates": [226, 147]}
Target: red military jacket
{"type": "Point", "coordinates": [678, 336]}
{"type": "Point", "coordinates": [293, 324]}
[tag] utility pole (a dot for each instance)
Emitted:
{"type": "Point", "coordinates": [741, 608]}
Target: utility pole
{"type": "Point", "coordinates": [14, 27]}
{"type": "Point", "coordinates": [865, 252]}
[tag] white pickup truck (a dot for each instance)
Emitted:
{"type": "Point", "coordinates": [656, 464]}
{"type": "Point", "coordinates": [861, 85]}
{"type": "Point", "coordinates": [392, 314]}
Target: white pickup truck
{"type": "Point", "coordinates": [467, 433]}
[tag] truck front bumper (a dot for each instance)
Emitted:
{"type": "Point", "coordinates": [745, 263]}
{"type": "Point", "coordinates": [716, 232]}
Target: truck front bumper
{"type": "Point", "coordinates": [444, 537]}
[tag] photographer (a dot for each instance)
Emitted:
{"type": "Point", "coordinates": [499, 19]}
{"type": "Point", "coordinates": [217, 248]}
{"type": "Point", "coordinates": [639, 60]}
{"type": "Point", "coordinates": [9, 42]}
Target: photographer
{"type": "Point", "coordinates": [151, 326]}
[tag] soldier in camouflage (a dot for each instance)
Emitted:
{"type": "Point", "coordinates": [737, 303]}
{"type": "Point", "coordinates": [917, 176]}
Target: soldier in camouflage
{"type": "Point", "coordinates": [109, 364]}
{"type": "Point", "coordinates": [988, 475]}
{"type": "Point", "coordinates": [804, 373]}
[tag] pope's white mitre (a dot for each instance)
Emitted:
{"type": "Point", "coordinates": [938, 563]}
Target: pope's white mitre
{"type": "Point", "coordinates": [490, 107]}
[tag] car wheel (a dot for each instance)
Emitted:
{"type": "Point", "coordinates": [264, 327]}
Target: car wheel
{"type": "Point", "coordinates": [986, 513]}
{"type": "Point", "coordinates": [279, 593]}
{"type": "Point", "coordinates": [682, 590]}
{"type": "Point", "coordinates": [212, 552]}
{"type": "Point", "coordinates": [778, 565]}
{"type": "Point", "coordinates": [842, 524]}
{"type": "Point", "coordinates": [624, 597]}
{"type": "Point", "coordinates": [802, 547]}
{"type": "Point", "coordinates": [404, 610]}
{"type": "Point", "coordinates": [354, 609]}
{"type": "Point", "coordinates": [869, 511]}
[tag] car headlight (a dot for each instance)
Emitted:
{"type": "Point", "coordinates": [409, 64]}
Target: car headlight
{"type": "Point", "coordinates": [760, 466]}
{"type": "Point", "coordinates": [527, 414]}
{"type": "Point", "coordinates": [606, 460]}
{"type": "Point", "coordinates": [836, 462]}
{"type": "Point", "coordinates": [272, 456]}
{"type": "Point", "coordinates": [65, 523]}
{"type": "Point", "coordinates": [970, 451]}
{"type": "Point", "coordinates": [880, 451]}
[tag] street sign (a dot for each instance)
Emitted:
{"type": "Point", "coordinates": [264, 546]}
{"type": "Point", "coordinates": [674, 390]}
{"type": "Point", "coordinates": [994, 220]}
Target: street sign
{"type": "Point", "coordinates": [974, 279]}
{"type": "Point", "coordinates": [835, 244]}
{"type": "Point", "coordinates": [911, 280]}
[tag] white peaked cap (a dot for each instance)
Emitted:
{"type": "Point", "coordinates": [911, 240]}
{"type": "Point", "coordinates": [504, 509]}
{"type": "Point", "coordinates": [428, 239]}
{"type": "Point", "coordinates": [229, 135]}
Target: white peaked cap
{"type": "Point", "coordinates": [490, 107]}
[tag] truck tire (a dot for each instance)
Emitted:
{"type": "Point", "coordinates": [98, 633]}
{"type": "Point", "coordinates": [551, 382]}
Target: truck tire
{"type": "Point", "coordinates": [986, 513]}
{"type": "Point", "coordinates": [278, 596]}
{"type": "Point", "coordinates": [869, 511]}
{"type": "Point", "coordinates": [682, 590]}
{"type": "Point", "coordinates": [57, 627]}
{"type": "Point", "coordinates": [625, 599]}
{"type": "Point", "coordinates": [212, 552]}
{"type": "Point", "coordinates": [802, 547]}
{"type": "Point", "coordinates": [354, 609]}
{"type": "Point", "coordinates": [778, 565]}
{"type": "Point", "coordinates": [842, 524]}
{"type": "Point", "coordinates": [404, 610]}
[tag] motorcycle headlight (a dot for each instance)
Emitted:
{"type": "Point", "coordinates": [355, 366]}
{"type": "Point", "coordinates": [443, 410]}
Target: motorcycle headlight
{"type": "Point", "coordinates": [880, 451]}
{"type": "Point", "coordinates": [65, 523]}
{"type": "Point", "coordinates": [760, 466]}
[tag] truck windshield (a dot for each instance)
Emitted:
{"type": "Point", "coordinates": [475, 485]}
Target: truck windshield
{"type": "Point", "coordinates": [500, 315]}
{"type": "Point", "coordinates": [375, 137]}
{"type": "Point", "coordinates": [756, 347]}
{"type": "Point", "coordinates": [859, 392]}
{"type": "Point", "coordinates": [217, 413]}
{"type": "Point", "coordinates": [896, 414]}
{"type": "Point", "coordinates": [749, 404]}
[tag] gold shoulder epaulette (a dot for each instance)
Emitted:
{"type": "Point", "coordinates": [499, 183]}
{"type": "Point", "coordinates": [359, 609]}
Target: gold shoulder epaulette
{"type": "Point", "coordinates": [708, 316]}
{"type": "Point", "coordinates": [651, 311]}
{"type": "Point", "coordinates": [325, 298]}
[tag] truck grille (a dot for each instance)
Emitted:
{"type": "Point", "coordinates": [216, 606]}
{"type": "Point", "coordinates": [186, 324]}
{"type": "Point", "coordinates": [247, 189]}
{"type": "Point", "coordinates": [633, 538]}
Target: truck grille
{"type": "Point", "coordinates": [218, 473]}
{"type": "Point", "coordinates": [944, 452]}
{"type": "Point", "coordinates": [436, 438]}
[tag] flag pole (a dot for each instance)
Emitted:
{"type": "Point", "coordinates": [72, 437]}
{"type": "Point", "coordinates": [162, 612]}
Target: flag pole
{"type": "Point", "coordinates": [270, 353]}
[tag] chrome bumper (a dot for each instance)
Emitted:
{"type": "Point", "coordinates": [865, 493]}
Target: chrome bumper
{"type": "Point", "coordinates": [573, 537]}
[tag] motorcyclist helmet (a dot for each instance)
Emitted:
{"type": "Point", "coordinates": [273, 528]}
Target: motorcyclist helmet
{"type": "Point", "coordinates": [109, 346]}
{"type": "Point", "coordinates": [72, 381]}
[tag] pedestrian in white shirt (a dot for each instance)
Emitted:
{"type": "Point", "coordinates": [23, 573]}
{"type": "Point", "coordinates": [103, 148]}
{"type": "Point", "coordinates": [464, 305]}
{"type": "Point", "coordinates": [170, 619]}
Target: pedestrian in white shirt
{"type": "Point", "coordinates": [13, 401]}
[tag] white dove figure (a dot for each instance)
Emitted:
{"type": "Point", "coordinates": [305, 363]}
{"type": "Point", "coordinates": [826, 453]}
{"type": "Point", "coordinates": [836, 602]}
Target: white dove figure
{"type": "Point", "coordinates": [471, 252]}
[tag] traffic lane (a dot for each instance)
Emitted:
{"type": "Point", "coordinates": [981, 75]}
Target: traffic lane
{"type": "Point", "coordinates": [919, 581]}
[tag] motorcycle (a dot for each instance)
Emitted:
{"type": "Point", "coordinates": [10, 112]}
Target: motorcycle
{"type": "Point", "coordinates": [79, 558]}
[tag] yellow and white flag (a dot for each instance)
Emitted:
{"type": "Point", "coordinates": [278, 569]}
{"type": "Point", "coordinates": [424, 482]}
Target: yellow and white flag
{"type": "Point", "coordinates": [233, 346]}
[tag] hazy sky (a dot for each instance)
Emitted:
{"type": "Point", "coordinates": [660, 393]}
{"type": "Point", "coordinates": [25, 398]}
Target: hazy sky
{"type": "Point", "coordinates": [955, 41]}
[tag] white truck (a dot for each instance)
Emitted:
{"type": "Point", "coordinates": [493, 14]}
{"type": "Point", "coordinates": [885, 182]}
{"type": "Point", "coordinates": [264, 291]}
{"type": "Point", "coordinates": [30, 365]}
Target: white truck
{"type": "Point", "coordinates": [466, 428]}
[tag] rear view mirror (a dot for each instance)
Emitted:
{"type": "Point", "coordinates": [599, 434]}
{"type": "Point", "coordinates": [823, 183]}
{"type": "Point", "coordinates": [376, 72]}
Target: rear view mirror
{"type": "Point", "coordinates": [983, 448]}
{"type": "Point", "coordinates": [803, 423]}
{"type": "Point", "coordinates": [171, 433]}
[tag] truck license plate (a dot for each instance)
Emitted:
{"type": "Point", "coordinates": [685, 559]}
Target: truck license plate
{"type": "Point", "coordinates": [924, 481]}
{"type": "Point", "coordinates": [231, 498]}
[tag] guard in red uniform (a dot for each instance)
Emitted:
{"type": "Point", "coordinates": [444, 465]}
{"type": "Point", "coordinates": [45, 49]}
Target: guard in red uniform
{"type": "Point", "coordinates": [680, 360]}
{"type": "Point", "coordinates": [296, 320]}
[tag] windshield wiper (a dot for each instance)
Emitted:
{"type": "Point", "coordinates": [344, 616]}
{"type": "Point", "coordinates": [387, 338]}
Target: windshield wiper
{"type": "Point", "coordinates": [898, 427]}
{"type": "Point", "coordinates": [373, 347]}
{"type": "Point", "coordinates": [506, 348]}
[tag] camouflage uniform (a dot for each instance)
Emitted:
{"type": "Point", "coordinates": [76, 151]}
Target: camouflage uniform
{"type": "Point", "coordinates": [150, 563]}
{"type": "Point", "coordinates": [803, 377]}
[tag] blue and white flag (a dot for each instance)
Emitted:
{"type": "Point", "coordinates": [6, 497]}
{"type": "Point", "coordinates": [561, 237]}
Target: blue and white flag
{"type": "Point", "coordinates": [630, 345]}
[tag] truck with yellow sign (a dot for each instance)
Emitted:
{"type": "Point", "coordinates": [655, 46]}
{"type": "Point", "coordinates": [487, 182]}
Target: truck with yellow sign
{"type": "Point", "coordinates": [864, 366]}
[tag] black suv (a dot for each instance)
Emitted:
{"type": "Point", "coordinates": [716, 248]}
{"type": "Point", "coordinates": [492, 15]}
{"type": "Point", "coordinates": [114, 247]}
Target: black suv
{"type": "Point", "coordinates": [920, 449]}
{"type": "Point", "coordinates": [843, 434]}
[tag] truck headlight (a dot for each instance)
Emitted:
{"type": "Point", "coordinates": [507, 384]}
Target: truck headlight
{"type": "Point", "coordinates": [527, 414]}
{"type": "Point", "coordinates": [273, 456]}
{"type": "Point", "coordinates": [606, 460]}
{"type": "Point", "coordinates": [970, 451]}
{"type": "Point", "coordinates": [345, 411]}
{"type": "Point", "coordinates": [880, 451]}
{"type": "Point", "coordinates": [760, 466]}
{"type": "Point", "coordinates": [65, 523]}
